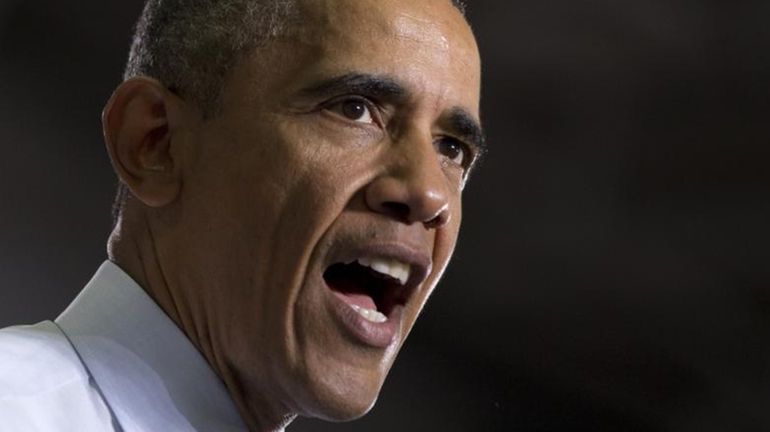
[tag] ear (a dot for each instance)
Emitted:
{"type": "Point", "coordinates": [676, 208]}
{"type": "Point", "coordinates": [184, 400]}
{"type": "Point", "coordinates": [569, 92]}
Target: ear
{"type": "Point", "coordinates": [140, 123]}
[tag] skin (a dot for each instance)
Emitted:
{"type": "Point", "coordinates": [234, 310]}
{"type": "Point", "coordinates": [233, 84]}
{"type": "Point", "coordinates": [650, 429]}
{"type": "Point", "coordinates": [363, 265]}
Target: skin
{"type": "Point", "coordinates": [234, 218]}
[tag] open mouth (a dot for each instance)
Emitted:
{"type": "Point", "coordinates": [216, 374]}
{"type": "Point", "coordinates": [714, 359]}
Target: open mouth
{"type": "Point", "coordinates": [372, 287]}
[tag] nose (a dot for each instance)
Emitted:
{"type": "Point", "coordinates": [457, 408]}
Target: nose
{"type": "Point", "coordinates": [414, 188]}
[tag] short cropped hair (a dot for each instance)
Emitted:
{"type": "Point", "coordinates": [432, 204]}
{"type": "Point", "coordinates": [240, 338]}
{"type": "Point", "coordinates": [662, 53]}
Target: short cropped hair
{"type": "Point", "coordinates": [189, 46]}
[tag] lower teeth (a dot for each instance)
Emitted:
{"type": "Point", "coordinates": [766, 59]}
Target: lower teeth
{"type": "Point", "coordinates": [370, 315]}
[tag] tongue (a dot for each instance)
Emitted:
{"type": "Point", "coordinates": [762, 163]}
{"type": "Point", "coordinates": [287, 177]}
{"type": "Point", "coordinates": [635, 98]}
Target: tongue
{"type": "Point", "coordinates": [357, 299]}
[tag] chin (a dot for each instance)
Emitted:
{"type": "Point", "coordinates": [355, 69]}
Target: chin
{"type": "Point", "coordinates": [340, 398]}
{"type": "Point", "coordinates": [344, 410]}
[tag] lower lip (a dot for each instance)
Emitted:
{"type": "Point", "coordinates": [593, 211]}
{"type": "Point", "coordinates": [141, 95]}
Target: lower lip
{"type": "Point", "coordinates": [378, 335]}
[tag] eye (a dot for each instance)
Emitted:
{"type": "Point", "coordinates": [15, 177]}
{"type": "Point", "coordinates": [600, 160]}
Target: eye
{"type": "Point", "coordinates": [454, 150]}
{"type": "Point", "coordinates": [354, 109]}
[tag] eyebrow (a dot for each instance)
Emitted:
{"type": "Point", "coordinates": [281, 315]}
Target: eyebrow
{"type": "Point", "coordinates": [465, 126]}
{"type": "Point", "coordinates": [374, 86]}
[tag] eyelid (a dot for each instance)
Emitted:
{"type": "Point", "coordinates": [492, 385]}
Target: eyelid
{"type": "Point", "coordinates": [374, 108]}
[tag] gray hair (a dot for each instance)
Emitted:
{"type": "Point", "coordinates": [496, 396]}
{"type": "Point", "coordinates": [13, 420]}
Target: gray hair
{"type": "Point", "coordinates": [191, 45]}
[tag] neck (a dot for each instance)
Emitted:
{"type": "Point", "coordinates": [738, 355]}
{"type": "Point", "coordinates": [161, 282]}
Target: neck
{"type": "Point", "coordinates": [134, 250]}
{"type": "Point", "coordinates": [133, 247]}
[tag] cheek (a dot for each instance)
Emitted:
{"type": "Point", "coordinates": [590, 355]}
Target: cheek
{"type": "Point", "coordinates": [277, 212]}
{"type": "Point", "coordinates": [273, 183]}
{"type": "Point", "coordinates": [294, 192]}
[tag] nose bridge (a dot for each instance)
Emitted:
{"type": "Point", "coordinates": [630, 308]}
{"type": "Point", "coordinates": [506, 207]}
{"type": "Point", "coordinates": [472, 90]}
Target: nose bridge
{"type": "Point", "coordinates": [413, 187]}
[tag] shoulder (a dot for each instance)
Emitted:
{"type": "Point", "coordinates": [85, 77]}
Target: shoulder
{"type": "Point", "coordinates": [43, 384]}
{"type": "Point", "coordinates": [36, 358]}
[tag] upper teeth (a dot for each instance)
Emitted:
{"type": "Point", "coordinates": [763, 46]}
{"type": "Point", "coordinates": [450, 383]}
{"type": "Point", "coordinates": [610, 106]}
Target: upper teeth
{"type": "Point", "coordinates": [393, 268]}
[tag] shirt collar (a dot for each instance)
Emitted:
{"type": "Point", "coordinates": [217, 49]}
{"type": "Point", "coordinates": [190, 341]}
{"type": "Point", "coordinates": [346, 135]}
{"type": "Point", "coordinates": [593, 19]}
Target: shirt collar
{"type": "Point", "coordinates": [150, 374]}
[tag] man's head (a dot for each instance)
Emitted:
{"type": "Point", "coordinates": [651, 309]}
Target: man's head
{"type": "Point", "coordinates": [295, 232]}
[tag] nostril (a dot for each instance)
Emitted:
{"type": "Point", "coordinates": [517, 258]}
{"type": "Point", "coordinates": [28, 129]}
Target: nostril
{"type": "Point", "coordinates": [397, 210]}
{"type": "Point", "coordinates": [440, 220]}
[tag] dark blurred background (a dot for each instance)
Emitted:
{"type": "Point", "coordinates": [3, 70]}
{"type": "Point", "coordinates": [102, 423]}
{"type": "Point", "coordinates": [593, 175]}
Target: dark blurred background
{"type": "Point", "coordinates": [612, 274]}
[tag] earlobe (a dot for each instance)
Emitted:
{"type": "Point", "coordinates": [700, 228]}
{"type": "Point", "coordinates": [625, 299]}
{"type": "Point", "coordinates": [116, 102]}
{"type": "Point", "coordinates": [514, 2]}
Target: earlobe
{"type": "Point", "coordinates": [140, 122]}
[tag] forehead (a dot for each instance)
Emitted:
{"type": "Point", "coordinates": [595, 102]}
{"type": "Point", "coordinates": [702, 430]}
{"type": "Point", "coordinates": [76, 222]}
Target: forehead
{"type": "Point", "coordinates": [425, 43]}
{"type": "Point", "coordinates": [422, 21]}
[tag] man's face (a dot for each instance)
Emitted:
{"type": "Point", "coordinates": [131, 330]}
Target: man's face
{"type": "Point", "coordinates": [321, 205]}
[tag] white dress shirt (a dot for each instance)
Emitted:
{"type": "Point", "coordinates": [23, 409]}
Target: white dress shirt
{"type": "Point", "coordinates": [113, 361]}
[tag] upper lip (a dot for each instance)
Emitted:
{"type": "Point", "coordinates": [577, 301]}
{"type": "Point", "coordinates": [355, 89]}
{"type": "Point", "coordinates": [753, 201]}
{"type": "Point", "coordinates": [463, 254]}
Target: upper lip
{"type": "Point", "coordinates": [419, 261]}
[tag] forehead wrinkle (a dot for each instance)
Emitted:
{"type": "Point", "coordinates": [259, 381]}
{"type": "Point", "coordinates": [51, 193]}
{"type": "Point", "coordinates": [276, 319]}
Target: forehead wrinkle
{"type": "Point", "coordinates": [439, 36]}
{"type": "Point", "coordinates": [420, 30]}
{"type": "Point", "coordinates": [419, 24]}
